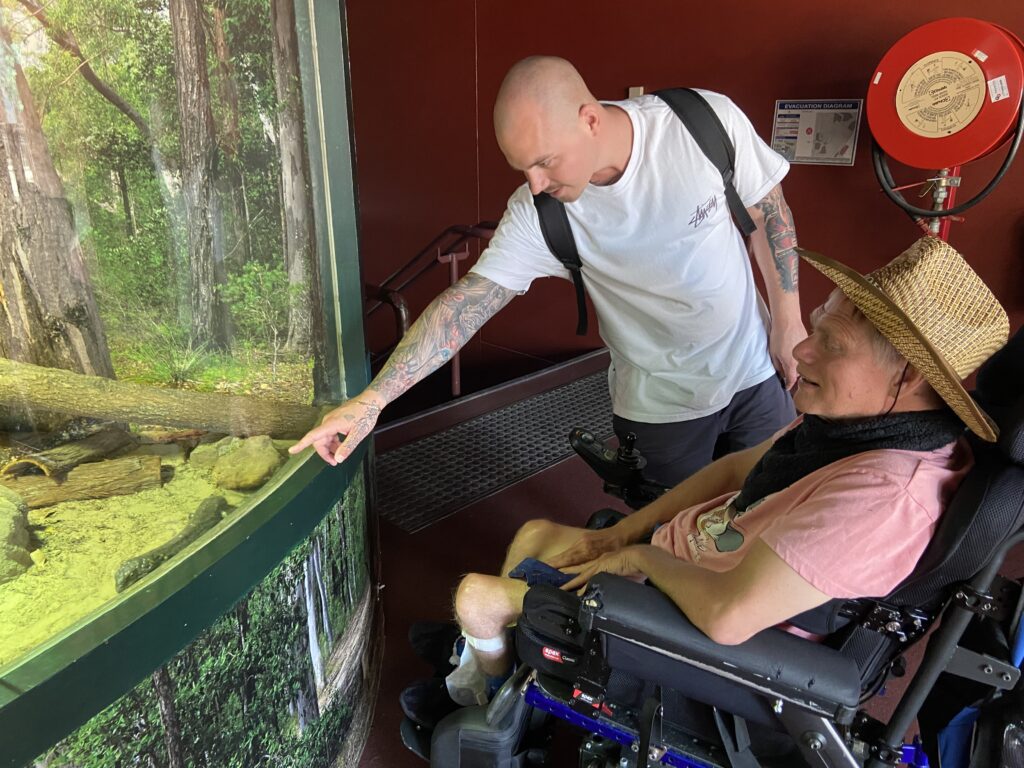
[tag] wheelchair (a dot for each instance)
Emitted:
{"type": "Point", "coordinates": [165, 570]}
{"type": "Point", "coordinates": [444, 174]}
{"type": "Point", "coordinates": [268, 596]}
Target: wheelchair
{"type": "Point", "coordinates": [647, 688]}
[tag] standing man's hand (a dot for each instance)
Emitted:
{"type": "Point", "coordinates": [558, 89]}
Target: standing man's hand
{"type": "Point", "coordinates": [353, 420]}
{"type": "Point", "coordinates": [781, 341]}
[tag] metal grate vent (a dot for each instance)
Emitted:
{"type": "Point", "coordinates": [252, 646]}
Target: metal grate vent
{"type": "Point", "coordinates": [427, 480]}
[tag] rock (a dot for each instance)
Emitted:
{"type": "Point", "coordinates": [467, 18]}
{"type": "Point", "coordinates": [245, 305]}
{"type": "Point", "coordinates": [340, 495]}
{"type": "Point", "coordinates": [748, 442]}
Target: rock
{"type": "Point", "coordinates": [248, 467]}
{"type": "Point", "coordinates": [15, 554]}
{"type": "Point", "coordinates": [14, 539]}
{"type": "Point", "coordinates": [38, 557]}
{"type": "Point", "coordinates": [10, 569]}
{"type": "Point", "coordinates": [13, 525]}
{"type": "Point", "coordinates": [7, 494]}
{"type": "Point", "coordinates": [206, 455]}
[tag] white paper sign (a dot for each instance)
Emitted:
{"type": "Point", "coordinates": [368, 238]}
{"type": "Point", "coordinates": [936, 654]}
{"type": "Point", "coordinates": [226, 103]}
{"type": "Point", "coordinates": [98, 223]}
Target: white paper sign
{"type": "Point", "coordinates": [817, 132]}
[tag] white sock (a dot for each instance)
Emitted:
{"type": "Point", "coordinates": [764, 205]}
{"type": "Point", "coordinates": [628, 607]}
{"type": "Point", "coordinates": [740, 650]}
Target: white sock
{"type": "Point", "coordinates": [467, 684]}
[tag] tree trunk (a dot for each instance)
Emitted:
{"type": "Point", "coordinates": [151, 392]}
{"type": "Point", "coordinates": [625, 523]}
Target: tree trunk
{"type": "Point", "coordinates": [303, 276]}
{"type": "Point", "coordinates": [98, 480]}
{"type": "Point", "coordinates": [49, 312]}
{"type": "Point", "coordinates": [230, 184]}
{"type": "Point", "coordinates": [126, 202]}
{"type": "Point", "coordinates": [164, 687]}
{"type": "Point", "coordinates": [59, 460]}
{"type": "Point", "coordinates": [55, 391]}
{"type": "Point", "coordinates": [198, 163]}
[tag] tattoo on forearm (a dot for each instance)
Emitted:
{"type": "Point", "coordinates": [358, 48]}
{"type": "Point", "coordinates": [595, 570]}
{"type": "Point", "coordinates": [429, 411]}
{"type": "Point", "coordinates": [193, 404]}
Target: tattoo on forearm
{"type": "Point", "coordinates": [444, 327]}
{"type": "Point", "coordinates": [781, 234]}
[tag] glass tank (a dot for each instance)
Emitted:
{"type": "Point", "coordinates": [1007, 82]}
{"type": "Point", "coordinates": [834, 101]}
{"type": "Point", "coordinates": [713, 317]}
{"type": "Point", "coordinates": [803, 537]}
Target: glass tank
{"type": "Point", "coordinates": [162, 343]}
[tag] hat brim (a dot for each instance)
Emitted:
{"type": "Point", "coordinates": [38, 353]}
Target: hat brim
{"type": "Point", "coordinates": [884, 314]}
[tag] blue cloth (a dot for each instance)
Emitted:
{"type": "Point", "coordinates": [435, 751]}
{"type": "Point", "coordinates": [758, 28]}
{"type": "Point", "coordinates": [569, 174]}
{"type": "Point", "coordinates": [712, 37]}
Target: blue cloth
{"type": "Point", "coordinates": [955, 739]}
{"type": "Point", "coordinates": [533, 572]}
{"type": "Point", "coordinates": [1017, 653]}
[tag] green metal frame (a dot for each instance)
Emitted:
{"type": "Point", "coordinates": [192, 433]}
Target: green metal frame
{"type": "Point", "coordinates": [60, 685]}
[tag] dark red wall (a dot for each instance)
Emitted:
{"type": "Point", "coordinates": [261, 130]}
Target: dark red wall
{"type": "Point", "coordinates": [424, 78]}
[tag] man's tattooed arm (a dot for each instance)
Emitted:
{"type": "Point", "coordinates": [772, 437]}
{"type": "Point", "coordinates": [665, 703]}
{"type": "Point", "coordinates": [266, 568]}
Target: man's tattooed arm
{"type": "Point", "coordinates": [781, 234]}
{"type": "Point", "coordinates": [773, 246]}
{"type": "Point", "coordinates": [444, 327]}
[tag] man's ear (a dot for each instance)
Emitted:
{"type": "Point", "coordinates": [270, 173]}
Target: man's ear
{"type": "Point", "coordinates": [590, 117]}
{"type": "Point", "coordinates": [915, 383]}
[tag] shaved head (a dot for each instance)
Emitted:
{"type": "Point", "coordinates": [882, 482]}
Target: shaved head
{"type": "Point", "coordinates": [550, 127]}
{"type": "Point", "coordinates": [540, 88]}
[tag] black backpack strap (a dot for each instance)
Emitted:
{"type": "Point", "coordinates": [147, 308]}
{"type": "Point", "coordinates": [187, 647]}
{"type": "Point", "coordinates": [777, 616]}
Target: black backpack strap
{"type": "Point", "coordinates": [709, 133]}
{"type": "Point", "coordinates": [554, 225]}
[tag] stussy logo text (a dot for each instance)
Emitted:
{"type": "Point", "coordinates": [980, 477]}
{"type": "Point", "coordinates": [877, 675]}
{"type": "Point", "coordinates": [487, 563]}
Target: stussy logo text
{"type": "Point", "coordinates": [704, 210]}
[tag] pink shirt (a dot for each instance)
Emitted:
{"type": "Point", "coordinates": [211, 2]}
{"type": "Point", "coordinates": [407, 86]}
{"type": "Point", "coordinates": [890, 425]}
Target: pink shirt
{"type": "Point", "coordinates": [854, 528]}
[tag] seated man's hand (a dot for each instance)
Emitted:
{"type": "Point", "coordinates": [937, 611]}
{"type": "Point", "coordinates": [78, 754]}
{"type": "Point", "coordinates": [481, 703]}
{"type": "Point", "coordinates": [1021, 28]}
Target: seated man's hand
{"type": "Point", "coordinates": [354, 419]}
{"type": "Point", "coordinates": [590, 545]}
{"type": "Point", "coordinates": [624, 562]}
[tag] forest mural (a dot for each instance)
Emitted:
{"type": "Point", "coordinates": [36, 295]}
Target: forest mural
{"type": "Point", "coordinates": [277, 681]}
{"type": "Point", "coordinates": [161, 345]}
{"type": "Point", "coordinates": [159, 185]}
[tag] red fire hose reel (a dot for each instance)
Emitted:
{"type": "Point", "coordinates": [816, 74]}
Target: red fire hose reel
{"type": "Point", "coordinates": [945, 94]}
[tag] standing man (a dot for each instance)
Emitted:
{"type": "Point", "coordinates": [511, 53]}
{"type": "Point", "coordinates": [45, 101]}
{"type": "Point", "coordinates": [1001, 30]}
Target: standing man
{"type": "Point", "coordinates": [694, 371]}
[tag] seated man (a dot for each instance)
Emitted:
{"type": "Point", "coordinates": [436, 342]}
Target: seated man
{"type": "Point", "coordinates": [841, 504]}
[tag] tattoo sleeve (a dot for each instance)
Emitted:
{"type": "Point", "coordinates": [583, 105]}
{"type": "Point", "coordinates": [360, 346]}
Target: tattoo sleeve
{"type": "Point", "coordinates": [447, 323]}
{"type": "Point", "coordinates": [781, 234]}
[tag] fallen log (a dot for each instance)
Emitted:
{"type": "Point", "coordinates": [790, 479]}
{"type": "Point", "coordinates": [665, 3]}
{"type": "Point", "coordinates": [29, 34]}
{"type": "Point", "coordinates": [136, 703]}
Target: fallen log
{"type": "Point", "coordinates": [56, 390]}
{"type": "Point", "coordinates": [207, 515]}
{"type": "Point", "coordinates": [60, 460]}
{"type": "Point", "coordinates": [98, 480]}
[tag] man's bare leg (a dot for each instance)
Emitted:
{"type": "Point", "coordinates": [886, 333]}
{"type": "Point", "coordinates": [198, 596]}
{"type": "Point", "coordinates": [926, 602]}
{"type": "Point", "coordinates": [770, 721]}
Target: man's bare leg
{"type": "Point", "coordinates": [486, 605]}
{"type": "Point", "coordinates": [540, 539]}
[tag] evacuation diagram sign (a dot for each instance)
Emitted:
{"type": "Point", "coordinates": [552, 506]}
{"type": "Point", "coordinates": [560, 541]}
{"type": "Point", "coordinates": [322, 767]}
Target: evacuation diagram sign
{"type": "Point", "coordinates": [817, 132]}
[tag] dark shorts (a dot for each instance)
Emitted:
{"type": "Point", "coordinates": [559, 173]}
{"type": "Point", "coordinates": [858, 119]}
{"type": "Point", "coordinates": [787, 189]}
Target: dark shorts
{"type": "Point", "coordinates": [677, 450]}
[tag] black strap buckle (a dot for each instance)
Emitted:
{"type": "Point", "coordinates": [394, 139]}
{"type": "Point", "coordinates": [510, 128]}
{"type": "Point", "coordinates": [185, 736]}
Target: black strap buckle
{"type": "Point", "coordinates": [902, 624]}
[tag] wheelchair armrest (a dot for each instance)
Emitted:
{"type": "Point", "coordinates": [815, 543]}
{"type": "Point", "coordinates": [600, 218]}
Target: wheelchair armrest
{"type": "Point", "coordinates": [774, 663]}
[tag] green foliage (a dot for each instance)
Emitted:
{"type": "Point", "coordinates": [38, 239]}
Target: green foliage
{"type": "Point", "coordinates": [259, 298]}
{"type": "Point", "coordinates": [129, 725]}
{"type": "Point", "coordinates": [169, 353]}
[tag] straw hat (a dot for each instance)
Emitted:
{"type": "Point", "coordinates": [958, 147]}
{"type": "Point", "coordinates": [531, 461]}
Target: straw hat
{"type": "Point", "coordinates": [936, 311]}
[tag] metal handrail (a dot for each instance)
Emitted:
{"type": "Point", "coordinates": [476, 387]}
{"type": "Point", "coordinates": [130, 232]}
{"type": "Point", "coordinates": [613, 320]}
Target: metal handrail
{"type": "Point", "coordinates": [449, 247]}
{"type": "Point", "coordinates": [458, 234]}
{"type": "Point", "coordinates": [393, 299]}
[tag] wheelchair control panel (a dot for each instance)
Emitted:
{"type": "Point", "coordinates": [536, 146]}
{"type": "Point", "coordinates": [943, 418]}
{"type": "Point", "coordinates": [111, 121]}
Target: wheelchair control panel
{"type": "Point", "coordinates": [620, 469]}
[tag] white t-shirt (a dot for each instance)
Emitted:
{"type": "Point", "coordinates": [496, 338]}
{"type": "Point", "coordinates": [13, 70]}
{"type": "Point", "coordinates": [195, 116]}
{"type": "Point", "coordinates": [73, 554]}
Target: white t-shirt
{"type": "Point", "coordinates": [664, 265]}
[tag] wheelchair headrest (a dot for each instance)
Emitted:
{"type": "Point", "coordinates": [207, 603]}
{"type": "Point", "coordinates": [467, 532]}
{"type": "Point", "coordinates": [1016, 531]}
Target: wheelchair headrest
{"type": "Point", "coordinates": [988, 507]}
{"type": "Point", "coordinates": [1000, 393]}
{"type": "Point", "coordinates": [1011, 434]}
